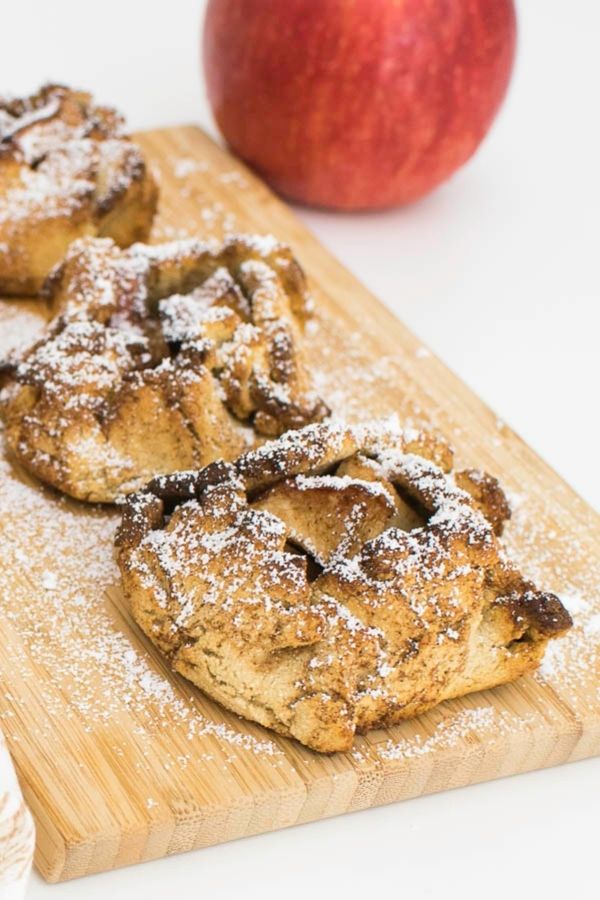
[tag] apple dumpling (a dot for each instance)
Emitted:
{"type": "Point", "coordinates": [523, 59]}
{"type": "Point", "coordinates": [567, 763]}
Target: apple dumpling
{"type": "Point", "coordinates": [159, 358]}
{"type": "Point", "coordinates": [333, 581]}
{"type": "Point", "coordinates": [67, 170]}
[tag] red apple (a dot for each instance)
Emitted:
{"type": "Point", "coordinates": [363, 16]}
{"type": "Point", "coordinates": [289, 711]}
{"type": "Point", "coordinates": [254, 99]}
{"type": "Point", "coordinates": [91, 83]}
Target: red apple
{"type": "Point", "coordinates": [357, 104]}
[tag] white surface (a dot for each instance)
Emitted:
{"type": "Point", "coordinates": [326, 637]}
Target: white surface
{"type": "Point", "coordinates": [17, 835]}
{"type": "Point", "coordinates": [498, 272]}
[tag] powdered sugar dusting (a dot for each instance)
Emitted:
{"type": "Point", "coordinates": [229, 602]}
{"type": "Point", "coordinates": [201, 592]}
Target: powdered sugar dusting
{"type": "Point", "coordinates": [187, 165]}
{"type": "Point", "coordinates": [356, 391]}
{"type": "Point", "coordinates": [570, 568]}
{"type": "Point", "coordinates": [63, 155]}
{"type": "Point", "coordinates": [357, 383]}
{"type": "Point", "coordinates": [227, 331]}
{"type": "Point", "coordinates": [484, 722]}
{"type": "Point", "coordinates": [19, 325]}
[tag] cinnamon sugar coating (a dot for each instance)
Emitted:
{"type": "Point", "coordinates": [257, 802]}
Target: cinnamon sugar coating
{"type": "Point", "coordinates": [159, 358]}
{"type": "Point", "coordinates": [67, 170]}
{"type": "Point", "coordinates": [333, 581]}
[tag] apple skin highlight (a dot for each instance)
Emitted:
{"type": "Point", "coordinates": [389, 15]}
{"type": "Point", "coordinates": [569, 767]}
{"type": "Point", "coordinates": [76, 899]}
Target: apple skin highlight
{"type": "Point", "coordinates": [357, 104]}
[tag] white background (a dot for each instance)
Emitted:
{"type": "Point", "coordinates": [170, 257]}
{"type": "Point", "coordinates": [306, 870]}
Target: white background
{"type": "Point", "coordinates": [498, 272]}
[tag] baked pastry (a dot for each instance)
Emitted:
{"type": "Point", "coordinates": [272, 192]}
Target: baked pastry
{"type": "Point", "coordinates": [155, 358]}
{"type": "Point", "coordinates": [67, 169]}
{"type": "Point", "coordinates": [333, 581]}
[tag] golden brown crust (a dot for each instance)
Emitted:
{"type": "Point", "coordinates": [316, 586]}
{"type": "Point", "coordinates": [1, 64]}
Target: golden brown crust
{"type": "Point", "coordinates": [487, 494]}
{"type": "Point", "coordinates": [333, 581]}
{"type": "Point", "coordinates": [133, 377]}
{"type": "Point", "coordinates": [67, 170]}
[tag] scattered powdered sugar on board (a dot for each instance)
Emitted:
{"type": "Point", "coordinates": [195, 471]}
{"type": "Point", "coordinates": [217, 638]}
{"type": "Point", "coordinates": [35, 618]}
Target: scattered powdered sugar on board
{"type": "Point", "coordinates": [216, 220]}
{"type": "Point", "coordinates": [562, 563]}
{"type": "Point", "coordinates": [162, 231]}
{"type": "Point", "coordinates": [185, 176]}
{"type": "Point", "coordinates": [575, 604]}
{"type": "Point", "coordinates": [451, 732]}
{"type": "Point", "coordinates": [592, 626]}
{"type": "Point", "coordinates": [351, 382]}
{"type": "Point", "coordinates": [192, 181]}
{"type": "Point", "coordinates": [234, 178]}
{"type": "Point", "coordinates": [185, 166]}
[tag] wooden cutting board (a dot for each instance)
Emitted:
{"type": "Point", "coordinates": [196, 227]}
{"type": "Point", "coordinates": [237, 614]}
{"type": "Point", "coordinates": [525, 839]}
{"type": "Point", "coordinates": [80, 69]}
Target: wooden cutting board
{"type": "Point", "coordinates": [120, 760]}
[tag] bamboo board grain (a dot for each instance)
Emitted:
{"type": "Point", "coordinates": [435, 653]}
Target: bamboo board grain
{"type": "Point", "coordinates": [120, 760]}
